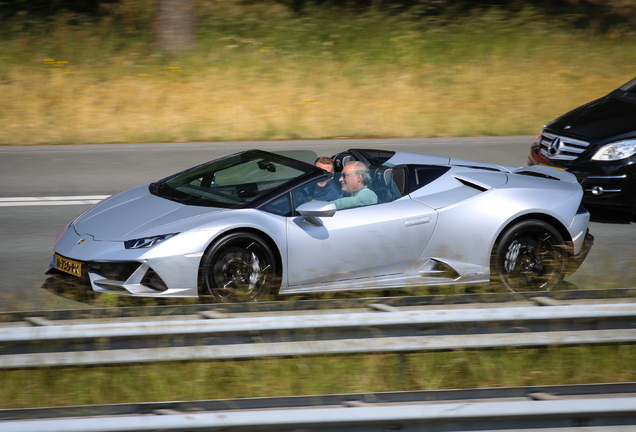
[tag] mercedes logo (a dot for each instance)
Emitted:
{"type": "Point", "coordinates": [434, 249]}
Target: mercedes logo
{"type": "Point", "coordinates": [554, 146]}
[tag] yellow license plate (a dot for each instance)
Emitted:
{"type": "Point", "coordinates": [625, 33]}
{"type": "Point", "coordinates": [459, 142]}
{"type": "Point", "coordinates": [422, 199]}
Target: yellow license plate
{"type": "Point", "coordinates": [68, 266]}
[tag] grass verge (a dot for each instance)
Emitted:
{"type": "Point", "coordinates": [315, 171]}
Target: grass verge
{"type": "Point", "coordinates": [260, 72]}
{"type": "Point", "coordinates": [316, 375]}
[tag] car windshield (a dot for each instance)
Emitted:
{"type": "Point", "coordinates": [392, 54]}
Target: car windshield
{"type": "Point", "coordinates": [231, 182]}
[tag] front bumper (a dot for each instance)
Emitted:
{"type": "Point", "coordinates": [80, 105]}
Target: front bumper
{"type": "Point", "coordinates": [169, 269]}
{"type": "Point", "coordinates": [128, 278]}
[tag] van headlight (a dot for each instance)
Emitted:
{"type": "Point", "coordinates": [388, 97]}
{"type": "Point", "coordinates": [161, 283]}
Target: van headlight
{"type": "Point", "coordinates": [616, 151]}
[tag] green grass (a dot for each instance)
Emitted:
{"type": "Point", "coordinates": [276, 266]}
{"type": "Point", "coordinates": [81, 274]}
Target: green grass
{"type": "Point", "coordinates": [315, 375]}
{"type": "Point", "coordinates": [260, 72]}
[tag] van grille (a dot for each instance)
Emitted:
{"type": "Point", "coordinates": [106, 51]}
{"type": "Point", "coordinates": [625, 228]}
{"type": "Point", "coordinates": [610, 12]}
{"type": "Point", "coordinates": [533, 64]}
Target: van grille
{"type": "Point", "coordinates": [561, 148]}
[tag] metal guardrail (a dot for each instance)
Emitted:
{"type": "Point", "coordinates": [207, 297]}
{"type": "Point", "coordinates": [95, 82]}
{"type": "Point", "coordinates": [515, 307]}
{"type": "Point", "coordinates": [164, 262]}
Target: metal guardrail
{"type": "Point", "coordinates": [58, 338]}
{"type": "Point", "coordinates": [598, 408]}
{"type": "Point", "coordinates": [214, 335]}
{"type": "Point", "coordinates": [287, 306]}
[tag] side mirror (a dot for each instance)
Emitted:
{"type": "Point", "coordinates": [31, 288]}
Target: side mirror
{"type": "Point", "coordinates": [312, 210]}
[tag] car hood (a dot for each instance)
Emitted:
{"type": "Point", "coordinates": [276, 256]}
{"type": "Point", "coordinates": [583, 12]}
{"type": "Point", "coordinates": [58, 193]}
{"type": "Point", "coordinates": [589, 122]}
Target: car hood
{"type": "Point", "coordinates": [137, 213]}
{"type": "Point", "coordinates": [599, 120]}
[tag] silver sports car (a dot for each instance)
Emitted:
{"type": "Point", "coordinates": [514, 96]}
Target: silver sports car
{"type": "Point", "coordinates": [249, 225]}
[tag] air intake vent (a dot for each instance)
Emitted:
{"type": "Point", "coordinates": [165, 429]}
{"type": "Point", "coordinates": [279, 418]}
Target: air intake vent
{"type": "Point", "coordinates": [117, 271]}
{"type": "Point", "coordinates": [153, 281]}
{"type": "Point", "coordinates": [438, 269]}
{"type": "Point", "coordinates": [536, 174]}
{"type": "Point", "coordinates": [471, 183]}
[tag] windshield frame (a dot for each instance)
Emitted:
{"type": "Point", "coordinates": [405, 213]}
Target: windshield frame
{"type": "Point", "coordinates": [166, 189]}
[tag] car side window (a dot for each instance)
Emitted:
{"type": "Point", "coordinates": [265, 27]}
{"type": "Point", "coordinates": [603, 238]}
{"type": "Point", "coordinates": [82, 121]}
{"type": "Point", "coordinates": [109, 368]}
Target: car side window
{"type": "Point", "coordinates": [280, 206]}
{"type": "Point", "coordinates": [380, 188]}
{"type": "Point", "coordinates": [422, 175]}
{"type": "Point", "coordinates": [322, 189]}
{"type": "Point", "coordinates": [384, 186]}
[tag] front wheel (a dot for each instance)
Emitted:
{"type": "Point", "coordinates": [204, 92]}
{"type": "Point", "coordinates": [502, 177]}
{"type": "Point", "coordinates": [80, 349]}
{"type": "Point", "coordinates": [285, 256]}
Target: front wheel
{"type": "Point", "coordinates": [530, 256]}
{"type": "Point", "coordinates": [239, 267]}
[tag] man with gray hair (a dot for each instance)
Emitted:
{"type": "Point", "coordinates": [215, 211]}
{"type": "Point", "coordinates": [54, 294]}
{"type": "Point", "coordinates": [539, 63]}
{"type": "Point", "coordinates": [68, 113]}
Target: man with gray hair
{"type": "Point", "coordinates": [354, 180]}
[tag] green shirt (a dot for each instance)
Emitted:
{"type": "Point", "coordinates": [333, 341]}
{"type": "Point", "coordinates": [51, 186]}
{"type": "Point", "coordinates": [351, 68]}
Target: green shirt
{"type": "Point", "coordinates": [361, 197]}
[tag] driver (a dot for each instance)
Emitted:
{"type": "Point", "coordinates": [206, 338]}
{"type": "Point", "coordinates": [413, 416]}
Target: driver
{"type": "Point", "coordinates": [354, 180]}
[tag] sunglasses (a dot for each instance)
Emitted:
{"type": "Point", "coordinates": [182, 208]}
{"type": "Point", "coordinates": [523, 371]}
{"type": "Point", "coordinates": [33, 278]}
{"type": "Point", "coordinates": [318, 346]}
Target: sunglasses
{"type": "Point", "coordinates": [349, 173]}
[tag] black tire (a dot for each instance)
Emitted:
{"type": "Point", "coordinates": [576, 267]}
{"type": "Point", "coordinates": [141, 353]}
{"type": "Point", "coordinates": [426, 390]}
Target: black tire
{"type": "Point", "coordinates": [239, 267]}
{"type": "Point", "coordinates": [529, 256]}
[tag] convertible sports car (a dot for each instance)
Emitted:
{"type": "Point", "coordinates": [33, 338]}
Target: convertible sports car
{"type": "Point", "coordinates": [246, 226]}
{"type": "Point", "coordinates": [597, 143]}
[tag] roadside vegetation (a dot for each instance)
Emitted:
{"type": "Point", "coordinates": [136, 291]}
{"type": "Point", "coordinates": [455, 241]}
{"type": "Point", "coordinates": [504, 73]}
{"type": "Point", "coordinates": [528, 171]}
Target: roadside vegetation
{"type": "Point", "coordinates": [261, 71]}
{"type": "Point", "coordinates": [315, 375]}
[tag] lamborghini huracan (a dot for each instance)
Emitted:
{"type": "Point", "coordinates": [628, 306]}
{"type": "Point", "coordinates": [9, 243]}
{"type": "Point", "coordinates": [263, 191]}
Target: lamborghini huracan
{"type": "Point", "coordinates": [246, 227]}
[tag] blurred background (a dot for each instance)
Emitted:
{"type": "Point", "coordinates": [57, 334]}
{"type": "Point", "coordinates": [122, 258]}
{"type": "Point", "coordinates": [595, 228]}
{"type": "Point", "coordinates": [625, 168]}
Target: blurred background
{"type": "Point", "coordinates": [152, 71]}
{"type": "Point", "coordinates": [94, 71]}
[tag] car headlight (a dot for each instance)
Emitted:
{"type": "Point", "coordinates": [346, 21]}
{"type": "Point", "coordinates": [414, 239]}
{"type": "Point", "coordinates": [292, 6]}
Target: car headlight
{"type": "Point", "coordinates": [147, 242]}
{"type": "Point", "coordinates": [615, 151]}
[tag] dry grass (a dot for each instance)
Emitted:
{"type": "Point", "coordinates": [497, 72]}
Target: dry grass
{"type": "Point", "coordinates": [70, 107]}
{"type": "Point", "coordinates": [308, 78]}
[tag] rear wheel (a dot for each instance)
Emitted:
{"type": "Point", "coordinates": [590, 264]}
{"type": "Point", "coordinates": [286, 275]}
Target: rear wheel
{"type": "Point", "coordinates": [530, 256]}
{"type": "Point", "coordinates": [239, 267]}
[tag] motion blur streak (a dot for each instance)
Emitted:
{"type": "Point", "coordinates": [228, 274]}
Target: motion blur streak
{"type": "Point", "coordinates": [48, 201]}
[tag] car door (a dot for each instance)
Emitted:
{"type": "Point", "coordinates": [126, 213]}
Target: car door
{"type": "Point", "coordinates": [360, 242]}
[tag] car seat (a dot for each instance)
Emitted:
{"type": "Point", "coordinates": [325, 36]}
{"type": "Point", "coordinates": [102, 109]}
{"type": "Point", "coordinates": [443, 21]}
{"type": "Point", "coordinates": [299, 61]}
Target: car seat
{"type": "Point", "coordinates": [383, 185]}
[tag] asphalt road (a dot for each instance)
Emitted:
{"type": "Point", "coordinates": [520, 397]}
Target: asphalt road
{"type": "Point", "coordinates": [28, 229]}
